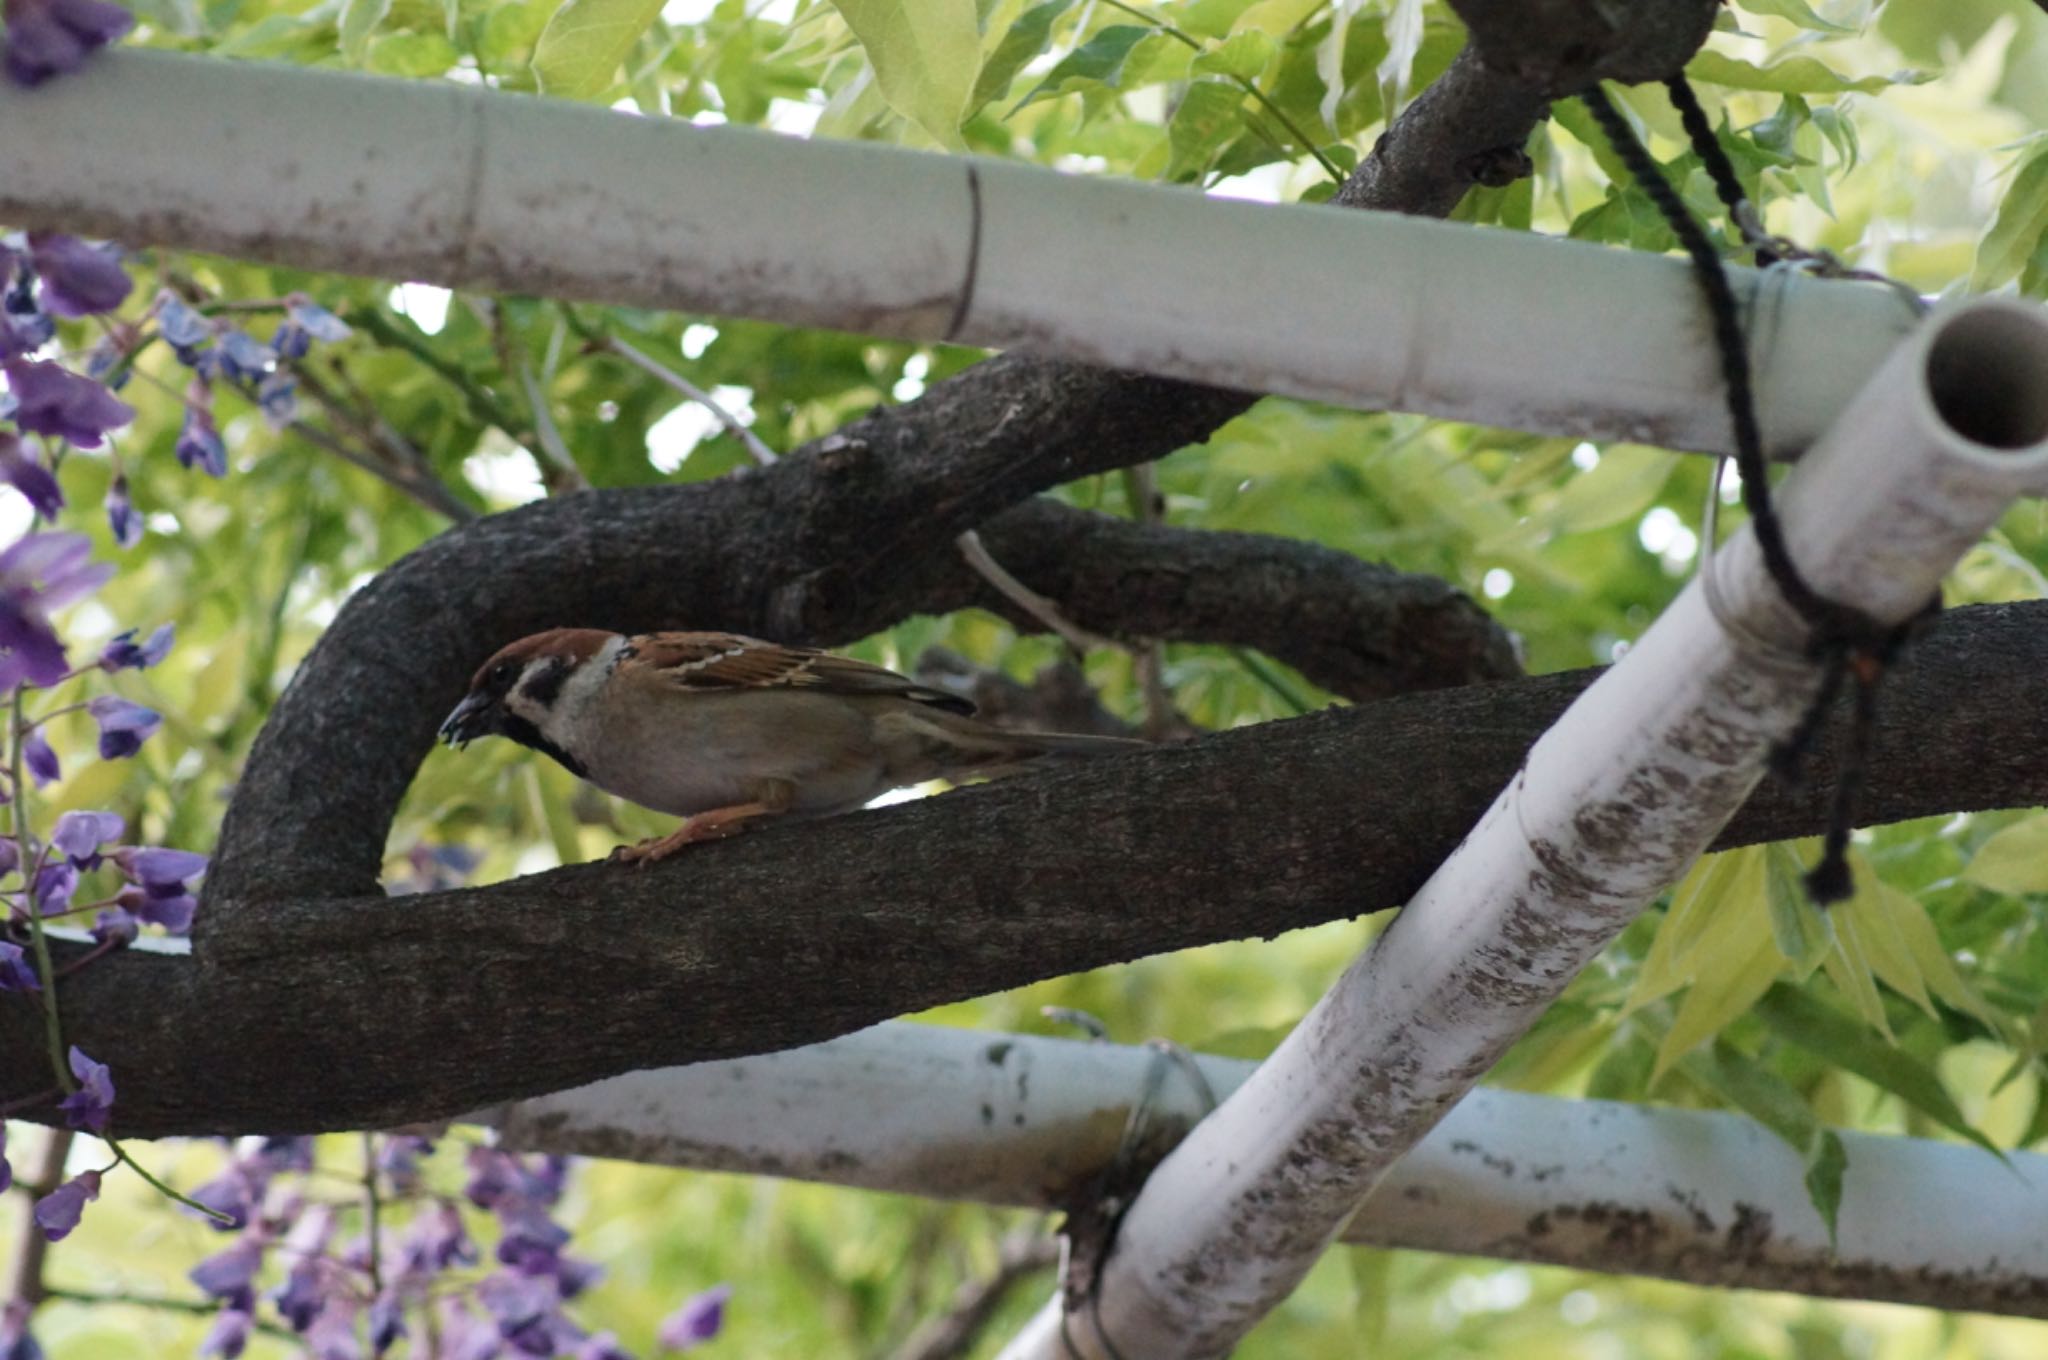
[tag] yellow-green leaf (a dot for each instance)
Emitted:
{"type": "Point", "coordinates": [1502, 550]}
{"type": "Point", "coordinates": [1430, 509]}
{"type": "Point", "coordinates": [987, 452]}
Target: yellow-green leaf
{"type": "Point", "coordinates": [580, 50]}
{"type": "Point", "coordinates": [1798, 11]}
{"type": "Point", "coordinates": [1793, 75]}
{"type": "Point", "coordinates": [1021, 42]}
{"type": "Point", "coordinates": [359, 19]}
{"type": "Point", "coordinates": [2017, 232]}
{"type": "Point", "coordinates": [2015, 860]}
{"type": "Point", "coordinates": [1206, 119]}
{"type": "Point", "coordinates": [926, 55]}
{"type": "Point", "coordinates": [1714, 883]}
{"type": "Point", "coordinates": [416, 56]}
{"type": "Point", "coordinates": [1244, 55]}
{"type": "Point", "coordinates": [1828, 1034]}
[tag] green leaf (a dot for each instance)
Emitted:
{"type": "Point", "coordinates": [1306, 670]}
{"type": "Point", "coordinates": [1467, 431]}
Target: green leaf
{"type": "Point", "coordinates": [580, 50]}
{"type": "Point", "coordinates": [1771, 1101]}
{"type": "Point", "coordinates": [1099, 61]}
{"type": "Point", "coordinates": [1793, 75]}
{"type": "Point", "coordinates": [1803, 931]}
{"type": "Point", "coordinates": [1021, 42]}
{"type": "Point", "coordinates": [1205, 119]}
{"type": "Point", "coordinates": [1244, 55]}
{"type": "Point", "coordinates": [1621, 486]}
{"type": "Point", "coordinates": [1820, 1029]}
{"type": "Point", "coordinates": [510, 33]}
{"type": "Point", "coordinates": [416, 56]}
{"type": "Point", "coordinates": [359, 19]}
{"type": "Point", "coordinates": [1798, 12]}
{"type": "Point", "coordinates": [926, 55]}
{"type": "Point", "coordinates": [2015, 860]}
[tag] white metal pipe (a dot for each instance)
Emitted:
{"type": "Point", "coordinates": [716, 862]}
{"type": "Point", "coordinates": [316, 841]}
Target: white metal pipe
{"type": "Point", "coordinates": [1022, 1120]}
{"type": "Point", "coordinates": [474, 189]}
{"type": "Point", "coordinates": [1611, 806]}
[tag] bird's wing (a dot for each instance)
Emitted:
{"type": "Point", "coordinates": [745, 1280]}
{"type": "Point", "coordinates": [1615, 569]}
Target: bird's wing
{"type": "Point", "coordinates": [709, 662]}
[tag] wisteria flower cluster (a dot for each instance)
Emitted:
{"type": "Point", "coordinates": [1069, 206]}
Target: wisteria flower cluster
{"type": "Point", "coordinates": [350, 1277]}
{"type": "Point", "coordinates": [418, 1272]}
{"type": "Point", "coordinates": [216, 351]}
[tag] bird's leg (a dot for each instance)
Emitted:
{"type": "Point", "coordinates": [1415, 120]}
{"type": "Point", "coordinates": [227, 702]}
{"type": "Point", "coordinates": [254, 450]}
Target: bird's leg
{"type": "Point", "coordinates": [711, 825]}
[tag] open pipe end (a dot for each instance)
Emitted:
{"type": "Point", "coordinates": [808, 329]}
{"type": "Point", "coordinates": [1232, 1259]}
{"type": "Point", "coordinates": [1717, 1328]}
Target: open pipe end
{"type": "Point", "coordinates": [1987, 376]}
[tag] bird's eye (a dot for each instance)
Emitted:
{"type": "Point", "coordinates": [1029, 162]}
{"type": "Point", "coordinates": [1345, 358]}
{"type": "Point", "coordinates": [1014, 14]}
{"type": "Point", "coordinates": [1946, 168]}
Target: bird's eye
{"type": "Point", "coordinates": [503, 672]}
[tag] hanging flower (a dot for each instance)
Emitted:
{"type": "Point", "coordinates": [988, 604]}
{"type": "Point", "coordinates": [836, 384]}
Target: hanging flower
{"type": "Point", "coordinates": [37, 574]}
{"type": "Point", "coordinates": [53, 37]}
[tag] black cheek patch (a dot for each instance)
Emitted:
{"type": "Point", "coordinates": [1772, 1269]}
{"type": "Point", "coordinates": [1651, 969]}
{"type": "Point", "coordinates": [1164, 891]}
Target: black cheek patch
{"type": "Point", "coordinates": [544, 686]}
{"type": "Point", "coordinates": [526, 734]}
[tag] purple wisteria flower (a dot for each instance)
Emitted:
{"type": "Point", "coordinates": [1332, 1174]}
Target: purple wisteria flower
{"type": "Point", "coordinates": [92, 1104]}
{"type": "Point", "coordinates": [199, 443]}
{"type": "Point", "coordinates": [278, 395]}
{"type": "Point", "coordinates": [464, 1335]}
{"type": "Point", "coordinates": [697, 1321]}
{"type": "Point", "coordinates": [231, 1274]}
{"type": "Point", "coordinates": [603, 1346]}
{"type": "Point", "coordinates": [50, 399]}
{"type": "Point", "coordinates": [79, 279]}
{"type": "Point", "coordinates": [24, 326]}
{"type": "Point", "coordinates": [16, 974]}
{"type": "Point", "coordinates": [37, 574]}
{"type": "Point", "coordinates": [332, 1335]}
{"type": "Point", "coordinates": [182, 328]}
{"type": "Point", "coordinates": [304, 322]}
{"type": "Point", "coordinates": [124, 725]}
{"type": "Point", "coordinates": [57, 1213]}
{"type": "Point", "coordinates": [243, 357]}
{"type": "Point", "coordinates": [124, 652]}
{"type": "Point", "coordinates": [115, 926]}
{"type": "Point", "coordinates": [81, 834]}
{"type": "Point", "coordinates": [42, 761]}
{"type": "Point", "coordinates": [54, 885]}
{"type": "Point", "coordinates": [122, 520]}
{"type": "Point", "coordinates": [20, 470]}
{"type": "Point", "coordinates": [387, 1322]}
{"type": "Point", "coordinates": [229, 1335]}
{"type": "Point", "coordinates": [15, 1341]}
{"type": "Point", "coordinates": [53, 37]}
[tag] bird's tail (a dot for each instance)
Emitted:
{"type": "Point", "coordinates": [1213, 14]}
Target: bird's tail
{"type": "Point", "coordinates": [948, 745]}
{"type": "Point", "coordinates": [1074, 744]}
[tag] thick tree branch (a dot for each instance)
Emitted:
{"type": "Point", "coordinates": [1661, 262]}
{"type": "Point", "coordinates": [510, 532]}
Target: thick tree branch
{"type": "Point", "coordinates": [368, 1012]}
{"type": "Point", "coordinates": [1356, 628]}
{"type": "Point", "coordinates": [810, 568]}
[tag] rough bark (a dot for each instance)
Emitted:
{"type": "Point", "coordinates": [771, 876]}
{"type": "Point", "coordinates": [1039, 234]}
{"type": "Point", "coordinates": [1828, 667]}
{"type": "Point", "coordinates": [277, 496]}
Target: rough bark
{"type": "Point", "coordinates": [369, 1012]}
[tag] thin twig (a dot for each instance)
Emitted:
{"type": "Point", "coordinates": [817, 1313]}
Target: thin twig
{"type": "Point", "coordinates": [1024, 597]}
{"type": "Point", "coordinates": [756, 449]}
{"type": "Point", "coordinates": [202, 1307]}
{"type": "Point", "coordinates": [402, 466]}
{"type": "Point", "coordinates": [372, 1211]}
{"type": "Point", "coordinates": [546, 434]}
{"type": "Point", "coordinates": [1249, 86]}
{"type": "Point", "coordinates": [25, 1281]}
{"type": "Point", "coordinates": [953, 1333]}
{"type": "Point", "coordinates": [1161, 717]}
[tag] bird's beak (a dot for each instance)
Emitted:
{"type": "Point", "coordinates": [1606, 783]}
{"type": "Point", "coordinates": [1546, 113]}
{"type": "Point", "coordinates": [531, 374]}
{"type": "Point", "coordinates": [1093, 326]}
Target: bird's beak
{"type": "Point", "coordinates": [476, 716]}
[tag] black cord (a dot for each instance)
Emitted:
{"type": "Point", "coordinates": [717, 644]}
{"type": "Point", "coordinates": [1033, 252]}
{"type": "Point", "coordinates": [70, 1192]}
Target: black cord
{"type": "Point", "coordinates": [1727, 184]}
{"type": "Point", "coordinates": [1817, 611]}
{"type": "Point", "coordinates": [1847, 641]}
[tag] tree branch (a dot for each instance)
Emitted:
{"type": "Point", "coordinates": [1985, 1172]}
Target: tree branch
{"type": "Point", "coordinates": [349, 1013]}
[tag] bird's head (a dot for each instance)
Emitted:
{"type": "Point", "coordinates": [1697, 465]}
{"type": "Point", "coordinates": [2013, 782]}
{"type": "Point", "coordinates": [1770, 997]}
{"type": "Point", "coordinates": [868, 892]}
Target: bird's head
{"type": "Point", "coordinates": [518, 691]}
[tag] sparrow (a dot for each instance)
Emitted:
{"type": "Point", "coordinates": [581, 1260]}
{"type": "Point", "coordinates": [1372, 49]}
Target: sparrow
{"type": "Point", "coordinates": [726, 730]}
